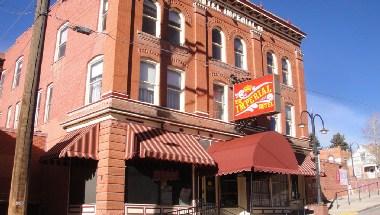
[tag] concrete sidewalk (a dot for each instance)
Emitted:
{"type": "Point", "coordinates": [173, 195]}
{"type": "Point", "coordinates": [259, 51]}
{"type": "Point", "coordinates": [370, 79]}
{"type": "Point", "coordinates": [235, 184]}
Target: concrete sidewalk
{"type": "Point", "coordinates": [356, 204]}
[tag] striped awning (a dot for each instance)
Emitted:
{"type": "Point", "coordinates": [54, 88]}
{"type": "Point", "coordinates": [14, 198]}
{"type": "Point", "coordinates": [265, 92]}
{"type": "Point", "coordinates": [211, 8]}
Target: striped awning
{"type": "Point", "coordinates": [306, 165]}
{"type": "Point", "coordinates": [81, 143]}
{"type": "Point", "coordinates": [156, 143]}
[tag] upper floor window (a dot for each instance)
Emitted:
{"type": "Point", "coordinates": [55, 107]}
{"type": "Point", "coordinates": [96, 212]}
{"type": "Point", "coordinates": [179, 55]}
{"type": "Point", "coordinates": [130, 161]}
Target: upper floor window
{"type": "Point", "coordinates": [151, 24]}
{"type": "Point", "coordinates": [17, 74]}
{"type": "Point", "coordinates": [60, 48]}
{"type": "Point", "coordinates": [271, 63]}
{"type": "Point", "coordinates": [9, 115]}
{"type": "Point", "coordinates": [286, 72]}
{"type": "Point", "coordinates": [149, 75]}
{"type": "Point", "coordinates": [175, 92]}
{"type": "Point", "coordinates": [48, 102]}
{"type": "Point", "coordinates": [103, 15]}
{"type": "Point", "coordinates": [275, 122]}
{"type": "Point", "coordinates": [17, 115]}
{"type": "Point", "coordinates": [94, 80]}
{"type": "Point", "coordinates": [2, 80]}
{"type": "Point", "coordinates": [240, 53]}
{"type": "Point", "coordinates": [289, 117]}
{"type": "Point", "coordinates": [175, 28]}
{"type": "Point", "coordinates": [38, 107]}
{"type": "Point", "coordinates": [218, 45]}
{"type": "Point", "coordinates": [220, 102]}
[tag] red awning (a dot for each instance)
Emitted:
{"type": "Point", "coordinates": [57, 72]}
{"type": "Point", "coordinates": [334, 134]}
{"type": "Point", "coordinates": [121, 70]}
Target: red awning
{"type": "Point", "coordinates": [164, 145]}
{"type": "Point", "coordinates": [306, 165]}
{"type": "Point", "coordinates": [82, 143]}
{"type": "Point", "coordinates": [264, 152]}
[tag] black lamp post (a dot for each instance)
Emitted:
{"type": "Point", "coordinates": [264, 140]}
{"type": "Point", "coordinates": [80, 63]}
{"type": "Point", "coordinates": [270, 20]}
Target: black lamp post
{"type": "Point", "coordinates": [312, 117]}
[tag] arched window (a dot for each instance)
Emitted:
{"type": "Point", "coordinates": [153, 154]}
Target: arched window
{"type": "Point", "coordinates": [94, 80]}
{"type": "Point", "coordinates": [240, 53]}
{"type": "Point", "coordinates": [60, 47]}
{"type": "Point", "coordinates": [151, 18]}
{"type": "Point", "coordinates": [175, 28]}
{"type": "Point", "coordinates": [271, 63]}
{"type": "Point", "coordinates": [218, 45]}
{"type": "Point", "coordinates": [286, 72]}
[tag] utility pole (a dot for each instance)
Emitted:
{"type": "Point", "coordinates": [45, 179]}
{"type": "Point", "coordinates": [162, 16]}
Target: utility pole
{"type": "Point", "coordinates": [18, 197]}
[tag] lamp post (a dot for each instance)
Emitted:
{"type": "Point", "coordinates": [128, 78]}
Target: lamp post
{"type": "Point", "coordinates": [312, 117]}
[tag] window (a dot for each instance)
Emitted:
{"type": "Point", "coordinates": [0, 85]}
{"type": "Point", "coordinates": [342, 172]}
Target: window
{"type": "Point", "coordinates": [38, 106]}
{"type": "Point", "coordinates": [229, 191]}
{"type": "Point", "coordinates": [240, 58]}
{"type": "Point", "coordinates": [9, 115]}
{"type": "Point", "coordinates": [149, 75]}
{"type": "Point", "coordinates": [218, 52]}
{"type": "Point", "coordinates": [289, 117]}
{"type": "Point", "coordinates": [48, 102]}
{"type": "Point", "coordinates": [175, 28]}
{"type": "Point", "coordinates": [271, 63]}
{"type": "Point", "coordinates": [286, 72]}
{"type": "Point", "coordinates": [220, 102]}
{"type": "Point", "coordinates": [94, 80]}
{"type": "Point", "coordinates": [175, 97]}
{"type": "Point", "coordinates": [17, 74]}
{"type": "Point", "coordinates": [60, 49]}
{"type": "Point", "coordinates": [151, 23]}
{"type": "Point", "coordinates": [270, 190]}
{"type": "Point", "coordinates": [17, 115]}
{"type": "Point", "coordinates": [2, 80]}
{"type": "Point", "coordinates": [295, 192]}
{"type": "Point", "coordinates": [103, 15]}
{"type": "Point", "coordinates": [275, 122]}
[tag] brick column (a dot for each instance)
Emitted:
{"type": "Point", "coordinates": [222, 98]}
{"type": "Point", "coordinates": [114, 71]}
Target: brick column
{"type": "Point", "coordinates": [299, 85]}
{"type": "Point", "coordinates": [258, 67]}
{"type": "Point", "coordinates": [110, 187]}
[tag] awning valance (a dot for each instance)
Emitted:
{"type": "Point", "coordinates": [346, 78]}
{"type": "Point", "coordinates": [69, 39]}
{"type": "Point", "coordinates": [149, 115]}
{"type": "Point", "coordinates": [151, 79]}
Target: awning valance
{"type": "Point", "coordinates": [81, 143]}
{"type": "Point", "coordinates": [160, 144]}
{"type": "Point", "coordinates": [263, 152]}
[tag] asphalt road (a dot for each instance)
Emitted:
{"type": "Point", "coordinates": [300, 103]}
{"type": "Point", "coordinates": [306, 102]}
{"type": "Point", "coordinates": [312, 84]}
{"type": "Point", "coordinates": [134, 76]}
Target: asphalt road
{"type": "Point", "coordinates": [372, 211]}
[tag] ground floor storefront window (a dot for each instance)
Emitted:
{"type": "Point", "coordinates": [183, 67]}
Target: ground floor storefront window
{"type": "Point", "coordinates": [158, 182]}
{"type": "Point", "coordinates": [270, 190]}
{"type": "Point", "coordinates": [82, 181]}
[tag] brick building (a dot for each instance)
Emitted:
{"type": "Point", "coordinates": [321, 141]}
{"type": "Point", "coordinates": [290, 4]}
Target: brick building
{"type": "Point", "coordinates": [130, 110]}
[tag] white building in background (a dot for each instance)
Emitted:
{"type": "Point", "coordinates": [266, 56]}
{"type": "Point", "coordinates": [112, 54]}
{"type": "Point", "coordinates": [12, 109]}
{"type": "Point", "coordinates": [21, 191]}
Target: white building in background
{"type": "Point", "coordinates": [364, 164]}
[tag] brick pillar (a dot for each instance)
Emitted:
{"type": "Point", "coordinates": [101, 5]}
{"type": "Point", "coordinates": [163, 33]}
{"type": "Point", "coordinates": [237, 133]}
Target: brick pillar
{"type": "Point", "coordinates": [258, 67]}
{"type": "Point", "coordinates": [200, 58]}
{"type": "Point", "coordinates": [299, 85]}
{"type": "Point", "coordinates": [110, 187]}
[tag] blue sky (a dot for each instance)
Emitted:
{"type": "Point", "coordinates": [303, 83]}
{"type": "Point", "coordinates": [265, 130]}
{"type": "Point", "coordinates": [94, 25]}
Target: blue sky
{"type": "Point", "coordinates": [341, 55]}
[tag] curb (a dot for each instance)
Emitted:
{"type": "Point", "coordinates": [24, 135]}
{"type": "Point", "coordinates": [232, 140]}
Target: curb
{"type": "Point", "coordinates": [373, 206]}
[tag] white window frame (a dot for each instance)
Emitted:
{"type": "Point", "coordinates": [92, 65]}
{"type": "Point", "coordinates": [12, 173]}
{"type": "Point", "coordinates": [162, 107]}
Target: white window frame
{"type": "Point", "coordinates": [17, 72]}
{"type": "Point", "coordinates": [58, 43]}
{"type": "Point", "coordinates": [277, 119]}
{"type": "Point", "coordinates": [17, 115]}
{"type": "Point", "coordinates": [38, 107]}
{"type": "Point", "coordinates": [48, 102]}
{"type": "Point", "coordinates": [94, 61]}
{"type": "Point", "coordinates": [158, 19]}
{"type": "Point", "coordinates": [225, 92]}
{"type": "Point", "coordinates": [9, 117]}
{"type": "Point", "coordinates": [182, 28]}
{"type": "Point", "coordinates": [156, 85]}
{"type": "Point", "coordinates": [292, 124]}
{"type": "Point", "coordinates": [274, 66]}
{"type": "Point", "coordinates": [244, 54]}
{"type": "Point", "coordinates": [182, 90]}
{"type": "Point", "coordinates": [2, 81]}
{"type": "Point", "coordinates": [222, 46]}
{"type": "Point", "coordinates": [103, 15]}
{"type": "Point", "coordinates": [289, 71]}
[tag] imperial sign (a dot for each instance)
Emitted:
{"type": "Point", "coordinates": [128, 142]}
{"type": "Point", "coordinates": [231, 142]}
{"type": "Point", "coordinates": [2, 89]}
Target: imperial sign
{"type": "Point", "coordinates": [255, 97]}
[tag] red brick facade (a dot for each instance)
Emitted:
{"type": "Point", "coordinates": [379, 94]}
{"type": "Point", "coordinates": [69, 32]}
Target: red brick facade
{"type": "Point", "coordinates": [123, 45]}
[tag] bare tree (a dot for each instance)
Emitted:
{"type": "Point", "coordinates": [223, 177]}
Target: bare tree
{"type": "Point", "coordinates": [372, 134]}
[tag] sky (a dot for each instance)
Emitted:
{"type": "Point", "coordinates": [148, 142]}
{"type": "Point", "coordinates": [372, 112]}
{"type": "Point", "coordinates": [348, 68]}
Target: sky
{"type": "Point", "coordinates": [340, 55]}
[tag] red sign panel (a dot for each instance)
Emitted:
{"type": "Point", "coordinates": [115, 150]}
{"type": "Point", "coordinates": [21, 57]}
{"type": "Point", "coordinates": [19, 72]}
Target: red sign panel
{"type": "Point", "coordinates": [255, 97]}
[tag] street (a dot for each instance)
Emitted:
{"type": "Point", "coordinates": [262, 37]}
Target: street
{"type": "Point", "coordinates": [372, 211]}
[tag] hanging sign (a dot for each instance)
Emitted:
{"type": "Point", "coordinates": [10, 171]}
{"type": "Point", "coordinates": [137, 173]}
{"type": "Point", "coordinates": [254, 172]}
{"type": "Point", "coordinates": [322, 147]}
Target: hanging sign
{"type": "Point", "coordinates": [256, 97]}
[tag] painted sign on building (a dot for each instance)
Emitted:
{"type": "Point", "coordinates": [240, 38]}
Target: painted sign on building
{"type": "Point", "coordinates": [255, 97]}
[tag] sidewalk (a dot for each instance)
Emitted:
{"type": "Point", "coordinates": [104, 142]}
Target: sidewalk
{"type": "Point", "coordinates": [356, 205]}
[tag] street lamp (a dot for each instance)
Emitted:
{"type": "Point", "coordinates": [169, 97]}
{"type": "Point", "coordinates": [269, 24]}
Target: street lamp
{"type": "Point", "coordinates": [312, 117]}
